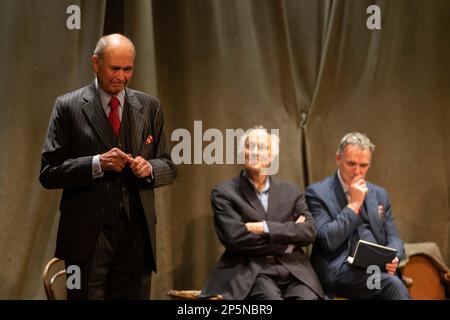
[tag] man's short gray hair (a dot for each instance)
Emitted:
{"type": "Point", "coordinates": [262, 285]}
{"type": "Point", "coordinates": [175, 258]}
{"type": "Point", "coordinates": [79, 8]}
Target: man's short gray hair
{"type": "Point", "coordinates": [355, 139]}
{"type": "Point", "coordinates": [104, 41]}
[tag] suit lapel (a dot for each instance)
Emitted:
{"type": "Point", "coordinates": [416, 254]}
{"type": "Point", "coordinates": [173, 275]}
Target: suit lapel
{"type": "Point", "coordinates": [93, 110]}
{"type": "Point", "coordinates": [371, 207]}
{"type": "Point", "coordinates": [338, 194]}
{"type": "Point", "coordinates": [137, 122]}
{"type": "Point", "coordinates": [248, 192]}
{"type": "Point", "coordinates": [274, 197]}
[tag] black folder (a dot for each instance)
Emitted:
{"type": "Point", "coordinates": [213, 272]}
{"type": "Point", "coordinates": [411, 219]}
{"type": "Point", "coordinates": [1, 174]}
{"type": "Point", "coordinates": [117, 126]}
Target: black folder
{"type": "Point", "coordinates": [369, 253]}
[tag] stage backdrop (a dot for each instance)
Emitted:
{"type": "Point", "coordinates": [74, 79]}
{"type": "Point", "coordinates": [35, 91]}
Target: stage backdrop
{"type": "Point", "coordinates": [311, 69]}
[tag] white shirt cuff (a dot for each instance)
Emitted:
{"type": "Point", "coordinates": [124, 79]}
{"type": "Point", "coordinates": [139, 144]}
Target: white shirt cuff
{"type": "Point", "coordinates": [151, 170]}
{"type": "Point", "coordinates": [265, 227]}
{"type": "Point", "coordinates": [290, 248]}
{"type": "Point", "coordinates": [96, 167]}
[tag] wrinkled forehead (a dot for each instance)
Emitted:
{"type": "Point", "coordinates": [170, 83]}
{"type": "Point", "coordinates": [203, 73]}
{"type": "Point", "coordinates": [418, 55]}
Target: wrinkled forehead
{"type": "Point", "coordinates": [123, 50]}
{"type": "Point", "coordinates": [357, 152]}
{"type": "Point", "coordinates": [258, 136]}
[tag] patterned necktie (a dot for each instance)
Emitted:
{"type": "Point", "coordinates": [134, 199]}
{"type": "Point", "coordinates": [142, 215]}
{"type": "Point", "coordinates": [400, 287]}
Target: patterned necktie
{"type": "Point", "coordinates": [114, 115]}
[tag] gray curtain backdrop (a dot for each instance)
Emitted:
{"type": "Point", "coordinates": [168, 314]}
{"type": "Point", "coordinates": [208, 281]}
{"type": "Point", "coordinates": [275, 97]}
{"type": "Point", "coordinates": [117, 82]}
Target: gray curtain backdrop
{"type": "Point", "coordinates": [40, 59]}
{"type": "Point", "coordinates": [308, 68]}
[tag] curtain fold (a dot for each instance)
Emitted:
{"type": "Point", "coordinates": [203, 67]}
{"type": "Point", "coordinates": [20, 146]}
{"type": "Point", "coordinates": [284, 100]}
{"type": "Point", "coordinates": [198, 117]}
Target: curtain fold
{"type": "Point", "coordinates": [393, 85]}
{"type": "Point", "coordinates": [39, 60]}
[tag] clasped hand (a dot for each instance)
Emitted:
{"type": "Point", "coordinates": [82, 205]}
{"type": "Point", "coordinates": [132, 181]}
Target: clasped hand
{"type": "Point", "coordinates": [115, 160]}
{"type": "Point", "coordinates": [357, 192]}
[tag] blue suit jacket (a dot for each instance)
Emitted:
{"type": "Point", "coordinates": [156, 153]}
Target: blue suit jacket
{"type": "Point", "coordinates": [336, 223]}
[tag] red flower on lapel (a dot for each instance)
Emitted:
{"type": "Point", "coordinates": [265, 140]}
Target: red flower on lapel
{"type": "Point", "coordinates": [149, 139]}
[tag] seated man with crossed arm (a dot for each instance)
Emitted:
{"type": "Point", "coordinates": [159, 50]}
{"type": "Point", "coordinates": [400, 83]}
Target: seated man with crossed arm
{"type": "Point", "coordinates": [263, 223]}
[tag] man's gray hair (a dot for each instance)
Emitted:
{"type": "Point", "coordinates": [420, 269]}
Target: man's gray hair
{"type": "Point", "coordinates": [104, 41]}
{"type": "Point", "coordinates": [355, 139]}
{"type": "Point", "coordinates": [275, 140]}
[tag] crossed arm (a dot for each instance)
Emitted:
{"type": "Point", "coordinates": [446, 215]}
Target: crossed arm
{"type": "Point", "coordinates": [238, 233]}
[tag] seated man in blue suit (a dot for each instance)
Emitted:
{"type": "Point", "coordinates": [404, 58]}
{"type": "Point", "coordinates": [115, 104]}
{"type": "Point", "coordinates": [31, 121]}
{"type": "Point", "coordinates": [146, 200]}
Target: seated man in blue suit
{"type": "Point", "coordinates": [347, 208]}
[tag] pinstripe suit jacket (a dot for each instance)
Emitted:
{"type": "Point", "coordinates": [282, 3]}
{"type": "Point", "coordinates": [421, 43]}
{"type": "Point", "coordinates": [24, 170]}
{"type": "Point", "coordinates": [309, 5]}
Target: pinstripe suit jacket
{"type": "Point", "coordinates": [79, 129]}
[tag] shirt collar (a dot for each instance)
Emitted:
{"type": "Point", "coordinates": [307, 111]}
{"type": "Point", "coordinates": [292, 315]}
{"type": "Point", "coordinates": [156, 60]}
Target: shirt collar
{"type": "Point", "coordinates": [343, 184]}
{"type": "Point", "coordinates": [105, 98]}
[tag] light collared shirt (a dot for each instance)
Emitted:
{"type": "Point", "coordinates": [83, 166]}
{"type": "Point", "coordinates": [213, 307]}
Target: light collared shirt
{"type": "Point", "coordinates": [106, 98]}
{"type": "Point", "coordinates": [344, 185]}
{"type": "Point", "coordinates": [263, 197]}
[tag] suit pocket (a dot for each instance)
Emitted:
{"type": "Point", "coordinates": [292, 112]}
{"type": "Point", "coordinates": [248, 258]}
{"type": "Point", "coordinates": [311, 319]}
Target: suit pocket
{"type": "Point", "coordinates": [147, 151]}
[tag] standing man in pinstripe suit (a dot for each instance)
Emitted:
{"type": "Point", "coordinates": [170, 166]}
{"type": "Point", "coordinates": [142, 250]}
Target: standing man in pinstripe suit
{"type": "Point", "coordinates": [106, 148]}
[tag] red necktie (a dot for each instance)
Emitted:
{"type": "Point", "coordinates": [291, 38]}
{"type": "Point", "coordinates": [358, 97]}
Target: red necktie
{"type": "Point", "coordinates": [114, 114]}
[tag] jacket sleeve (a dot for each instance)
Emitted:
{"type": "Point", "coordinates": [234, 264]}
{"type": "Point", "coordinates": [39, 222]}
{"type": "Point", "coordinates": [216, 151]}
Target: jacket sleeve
{"type": "Point", "coordinates": [58, 170]}
{"type": "Point", "coordinates": [164, 170]}
{"type": "Point", "coordinates": [231, 230]}
{"type": "Point", "coordinates": [331, 233]}
{"type": "Point", "coordinates": [289, 232]}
